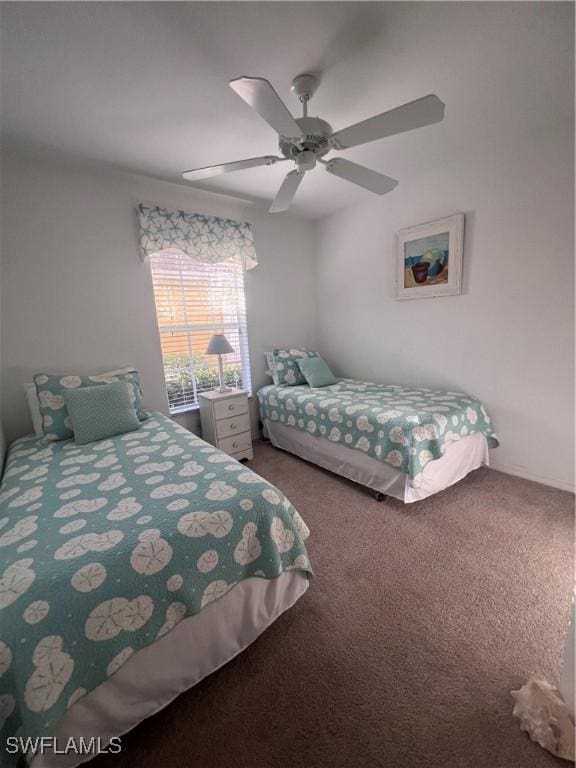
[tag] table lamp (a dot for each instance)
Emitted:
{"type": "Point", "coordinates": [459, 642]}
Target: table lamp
{"type": "Point", "coordinates": [219, 345]}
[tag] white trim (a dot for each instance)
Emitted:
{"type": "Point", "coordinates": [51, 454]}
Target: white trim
{"type": "Point", "coordinates": [183, 409]}
{"type": "Point", "coordinates": [526, 475]}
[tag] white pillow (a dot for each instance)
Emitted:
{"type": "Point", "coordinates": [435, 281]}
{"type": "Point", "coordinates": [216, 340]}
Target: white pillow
{"type": "Point", "coordinates": [34, 408]}
{"type": "Point", "coordinates": [34, 405]}
{"type": "Point", "coordinates": [271, 363]}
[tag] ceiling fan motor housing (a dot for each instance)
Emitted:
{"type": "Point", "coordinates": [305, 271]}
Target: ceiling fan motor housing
{"type": "Point", "coordinates": [316, 133]}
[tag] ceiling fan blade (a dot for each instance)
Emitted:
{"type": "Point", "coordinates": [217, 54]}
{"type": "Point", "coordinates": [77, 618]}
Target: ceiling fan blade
{"type": "Point", "coordinates": [217, 170]}
{"type": "Point", "coordinates": [286, 192]}
{"type": "Point", "coordinates": [261, 96]}
{"type": "Point", "coordinates": [358, 174]}
{"type": "Point", "coordinates": [415, 114]}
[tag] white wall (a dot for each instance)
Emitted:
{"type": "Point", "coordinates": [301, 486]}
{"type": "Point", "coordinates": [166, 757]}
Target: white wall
{"type": "Point", "coordinates": [507, 161]}
{"type": "Point", "coordinates": [76, 295]}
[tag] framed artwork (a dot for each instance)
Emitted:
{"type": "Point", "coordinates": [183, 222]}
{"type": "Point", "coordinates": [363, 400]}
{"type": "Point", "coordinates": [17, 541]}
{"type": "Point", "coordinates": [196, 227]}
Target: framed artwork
{"type": "Point", "coordinates": [430, 259]}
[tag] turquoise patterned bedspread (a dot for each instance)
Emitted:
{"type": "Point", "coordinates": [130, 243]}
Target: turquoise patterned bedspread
{"type": "Point", "coordinates": [104, 548]}
{"type": "Point", "coordinates": [405, 427]}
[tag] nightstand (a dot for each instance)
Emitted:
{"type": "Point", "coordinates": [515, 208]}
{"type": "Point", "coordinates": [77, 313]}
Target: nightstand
{"type": "Point", "coordinates": [226, 422]}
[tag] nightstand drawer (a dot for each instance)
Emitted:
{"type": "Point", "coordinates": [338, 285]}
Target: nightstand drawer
{"type": "Point", "coordinates": [232, 406]}
{"type": "Point", "coordinates": [233, 426]}
{"type": "Point", "coordinates": [236, 444]}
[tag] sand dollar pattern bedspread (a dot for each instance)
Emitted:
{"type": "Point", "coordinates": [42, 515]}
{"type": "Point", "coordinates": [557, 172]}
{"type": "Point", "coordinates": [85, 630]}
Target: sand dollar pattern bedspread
{"type": "Point", "coordinates": [106, 547]}
{"type": "Point", "coordinates": [405, 427]}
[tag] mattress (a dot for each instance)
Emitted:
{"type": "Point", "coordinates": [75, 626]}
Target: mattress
{"type": "Point", "coordinates": [460, 458]}
{"type": "Point", "coordinates": [132, 536]}
{"type": "Point", "coordinates": [403, 427]}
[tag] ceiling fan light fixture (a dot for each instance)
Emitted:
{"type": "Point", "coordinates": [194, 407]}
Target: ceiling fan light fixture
{"type": "Point", "coordinates": [306, 160]}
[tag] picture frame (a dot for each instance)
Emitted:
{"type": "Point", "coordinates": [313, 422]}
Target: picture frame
{"type": "Point", "coordinates": [430, 259]}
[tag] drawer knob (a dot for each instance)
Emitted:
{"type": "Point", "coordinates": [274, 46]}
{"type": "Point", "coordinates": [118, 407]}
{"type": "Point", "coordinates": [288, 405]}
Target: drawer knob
{"type": "Point", "coordinates": [233, 426]}
{"type": "Point", "coordinates": [231, 407]}
{"type": "Point", "coordinates": [234, 444]}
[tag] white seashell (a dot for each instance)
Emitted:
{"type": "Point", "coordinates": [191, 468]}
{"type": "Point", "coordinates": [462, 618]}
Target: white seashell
{"type": "Point", "coordinates": [544, 715]}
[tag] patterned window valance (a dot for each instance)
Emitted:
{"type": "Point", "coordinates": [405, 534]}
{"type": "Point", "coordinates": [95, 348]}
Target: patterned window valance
{"type": "Point", "coordinates": [204, 238]}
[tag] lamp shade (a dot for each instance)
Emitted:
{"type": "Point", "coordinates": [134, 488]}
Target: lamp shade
{"type": "Point", "coordinates": [219, 345]}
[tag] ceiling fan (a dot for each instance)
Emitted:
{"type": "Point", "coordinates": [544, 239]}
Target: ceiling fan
{"type": "Point", "coordinates": [306, 140]}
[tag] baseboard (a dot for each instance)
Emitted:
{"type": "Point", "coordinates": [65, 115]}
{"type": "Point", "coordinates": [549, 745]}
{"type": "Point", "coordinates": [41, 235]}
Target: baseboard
{"type": "Point", "coordinates": [508, 470]}
{"type": "Point", "coordinates": [526, 475]}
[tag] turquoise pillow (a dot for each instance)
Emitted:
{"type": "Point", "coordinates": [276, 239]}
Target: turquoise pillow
{"type": "Point", "coordinates": [316, 372]}
{"type": "Point", "coordinates": [50, 389]}
{"type": "Point", "coordinates": [287, 370]}
{"type": "Point", "coordinates": [100, 412]}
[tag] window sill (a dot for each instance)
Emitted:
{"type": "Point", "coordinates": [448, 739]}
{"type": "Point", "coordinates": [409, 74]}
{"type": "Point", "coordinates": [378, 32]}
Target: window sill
{"type": "Point", "coordinates": [189, 408]}
{"type": "Point", "coordinates": [183, 409]}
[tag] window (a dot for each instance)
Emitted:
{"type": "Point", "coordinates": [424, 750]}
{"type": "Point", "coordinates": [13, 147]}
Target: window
{"type": "Point", "coordinates": [194, 300]}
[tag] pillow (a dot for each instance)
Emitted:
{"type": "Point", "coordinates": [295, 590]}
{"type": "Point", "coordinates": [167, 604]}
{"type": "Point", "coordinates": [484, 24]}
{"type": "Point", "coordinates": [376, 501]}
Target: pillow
{"type": "Point", "coordinates": [316, 372]}
{"type": "Point", "coordinates": [286, 365]}
{"type": "Point", "coordinates": [271, 363]}
{"type": "Point", "coordinates": [50, 388]}
{"type": "Point", "coordinates": [100, 412]}
{"type": "Point", "coordinates": [34, 405]}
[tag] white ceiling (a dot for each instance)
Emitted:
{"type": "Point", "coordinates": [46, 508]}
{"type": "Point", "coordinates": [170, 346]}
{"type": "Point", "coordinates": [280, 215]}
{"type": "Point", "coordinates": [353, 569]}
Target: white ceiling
{"type": "Point", "coordinates": [143, 86]}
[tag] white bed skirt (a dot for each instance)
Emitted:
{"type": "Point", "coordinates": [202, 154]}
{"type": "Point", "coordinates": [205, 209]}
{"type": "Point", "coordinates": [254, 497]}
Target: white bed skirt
{"type": "Point", "coordinates": [157, 674]}
{"type": "Point", "coordinates": [460, 458]}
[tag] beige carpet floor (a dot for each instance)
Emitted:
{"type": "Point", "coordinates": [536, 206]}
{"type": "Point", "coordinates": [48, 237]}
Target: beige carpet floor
{"type": "Point", "coordinates": [402, 653]}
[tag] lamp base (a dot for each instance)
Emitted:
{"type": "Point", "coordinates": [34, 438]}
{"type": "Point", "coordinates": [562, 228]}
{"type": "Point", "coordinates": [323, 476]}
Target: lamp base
{"type": "Point", "coordinates": [222, 387]}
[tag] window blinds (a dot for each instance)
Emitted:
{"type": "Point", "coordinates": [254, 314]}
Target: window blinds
{"type": "Point", "coordinates": [194, 300]}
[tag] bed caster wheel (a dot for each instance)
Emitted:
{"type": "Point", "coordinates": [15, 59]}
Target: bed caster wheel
{"type": "Point", "coordinates": [380, 496]}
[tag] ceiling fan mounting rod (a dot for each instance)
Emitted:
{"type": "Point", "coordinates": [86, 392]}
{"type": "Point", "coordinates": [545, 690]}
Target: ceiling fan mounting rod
{"type": "Point", "coordinates": [304, 87]}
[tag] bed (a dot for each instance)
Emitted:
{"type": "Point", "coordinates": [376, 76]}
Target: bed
{"type": "Point", "coordinates": [404, 442]}
{"type": "Point", "coordinates": [130, 569]}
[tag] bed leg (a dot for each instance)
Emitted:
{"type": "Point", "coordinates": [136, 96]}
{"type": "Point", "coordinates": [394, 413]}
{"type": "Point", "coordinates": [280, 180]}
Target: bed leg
{"type": "Point", "coordinates": [380, 496]}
